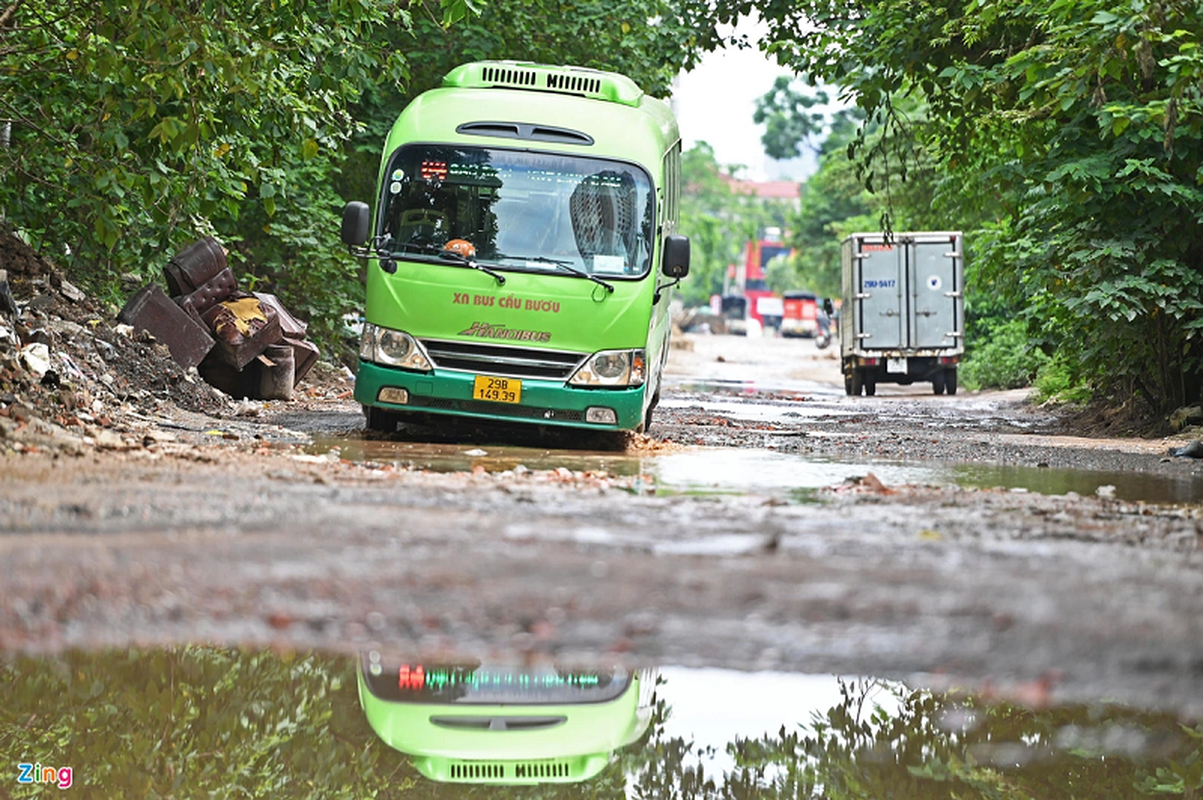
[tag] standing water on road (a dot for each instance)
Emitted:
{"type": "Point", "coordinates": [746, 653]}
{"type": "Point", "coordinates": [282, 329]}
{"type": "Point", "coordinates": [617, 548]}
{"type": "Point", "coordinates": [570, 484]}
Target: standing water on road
{"type": "Point", "coordinates": [211, 720]}
{"type": "Point", "coordinates": [789, 476]}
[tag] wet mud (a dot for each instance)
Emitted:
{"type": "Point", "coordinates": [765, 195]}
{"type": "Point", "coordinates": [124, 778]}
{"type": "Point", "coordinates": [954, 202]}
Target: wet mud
{"type": "Point", "coordinates": [767, 522]}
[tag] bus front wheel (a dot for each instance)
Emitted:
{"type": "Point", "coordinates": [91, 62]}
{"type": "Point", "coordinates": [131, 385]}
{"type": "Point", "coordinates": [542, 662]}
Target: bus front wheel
{"type": "Point", "coordinates": [380, 420]}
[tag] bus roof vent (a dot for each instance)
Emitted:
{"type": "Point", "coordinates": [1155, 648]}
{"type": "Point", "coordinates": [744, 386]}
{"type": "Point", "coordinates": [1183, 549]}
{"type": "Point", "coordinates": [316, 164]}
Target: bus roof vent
{"type": "Point", "coordinates": [552, 770]}
{"type": "Point", "coordinates": [584, 84]}
{"type": "Point", "coordinates": [592, 83]}
{"type": "Point", "coordinates": [508, 76]}
{"type": "Point", "coordinates": [541, 770]}
{"type": "Point", "coordinates": [477, 770]}
{"type": "Point", "coordinates": [522, 130]}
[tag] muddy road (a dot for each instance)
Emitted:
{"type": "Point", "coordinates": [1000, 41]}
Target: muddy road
{"type": "Point", "coordinates": [768, 522]}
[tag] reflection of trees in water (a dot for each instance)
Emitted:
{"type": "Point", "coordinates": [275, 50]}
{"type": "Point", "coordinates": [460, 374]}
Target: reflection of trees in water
{"type": "Point", "coordinates": [191, 721]}
{"type": "Point", "coordinates": [940, 747]}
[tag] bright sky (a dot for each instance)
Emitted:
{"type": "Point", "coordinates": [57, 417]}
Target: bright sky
{"type": "Point", "coordinates": [713, 706]}
{"type": "Point", "coordinates": [714, 103]}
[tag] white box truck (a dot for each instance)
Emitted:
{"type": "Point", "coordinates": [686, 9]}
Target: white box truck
{"type": "Point", "coordinates": [903, 315]}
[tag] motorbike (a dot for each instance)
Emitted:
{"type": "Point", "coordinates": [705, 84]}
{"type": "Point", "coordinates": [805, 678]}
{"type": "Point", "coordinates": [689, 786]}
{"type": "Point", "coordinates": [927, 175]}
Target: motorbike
{"type": "Point", "coordinates": [823, 332]}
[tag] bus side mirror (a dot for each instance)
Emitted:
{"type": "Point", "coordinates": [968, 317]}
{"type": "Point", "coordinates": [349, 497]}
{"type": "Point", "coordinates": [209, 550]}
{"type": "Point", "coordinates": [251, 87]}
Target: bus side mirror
{"type": "Point", "coordinates": [355, 223]}
{"type": "Point", "coordinates": [675, 259]}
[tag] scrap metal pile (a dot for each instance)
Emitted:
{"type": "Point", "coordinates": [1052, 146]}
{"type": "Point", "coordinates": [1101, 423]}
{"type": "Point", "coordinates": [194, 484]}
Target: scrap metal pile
{"type": "Point", "coordinates": [246, 344]}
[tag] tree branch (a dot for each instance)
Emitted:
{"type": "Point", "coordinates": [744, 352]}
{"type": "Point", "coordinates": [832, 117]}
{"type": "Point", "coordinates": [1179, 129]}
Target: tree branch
{"type": "Point", "coordinates": [8, 12]}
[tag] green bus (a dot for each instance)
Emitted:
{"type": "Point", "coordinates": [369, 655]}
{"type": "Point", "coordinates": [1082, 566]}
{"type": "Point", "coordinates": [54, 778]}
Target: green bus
{"type": "Point", "coordinates": [522, 252]}
{"type": "Point", "coordinates": [480, 723]}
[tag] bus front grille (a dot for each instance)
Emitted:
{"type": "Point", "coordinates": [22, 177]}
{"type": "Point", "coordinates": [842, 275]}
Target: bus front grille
{"type": "Point", "coordinates": [494, 359]}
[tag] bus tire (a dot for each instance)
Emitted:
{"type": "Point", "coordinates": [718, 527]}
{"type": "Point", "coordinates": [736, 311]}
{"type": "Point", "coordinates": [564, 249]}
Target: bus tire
{"type": "Point", "coordinates": [380, 420]}
{"type": "Point", "coordinates": [647, 416]}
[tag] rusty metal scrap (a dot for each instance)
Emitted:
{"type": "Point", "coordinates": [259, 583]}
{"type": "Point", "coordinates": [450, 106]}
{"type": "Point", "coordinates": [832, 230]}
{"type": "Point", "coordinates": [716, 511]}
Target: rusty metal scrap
{"type": "Point", "coordinates": [226, 333]}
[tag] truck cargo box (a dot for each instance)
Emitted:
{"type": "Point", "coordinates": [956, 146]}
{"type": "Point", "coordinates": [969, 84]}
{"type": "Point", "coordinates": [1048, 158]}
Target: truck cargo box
{"type": "Point", "coordinates": [904, 310]}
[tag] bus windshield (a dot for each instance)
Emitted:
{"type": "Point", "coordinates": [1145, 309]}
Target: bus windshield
{"type": "Point", "coordinates": [518, 210]}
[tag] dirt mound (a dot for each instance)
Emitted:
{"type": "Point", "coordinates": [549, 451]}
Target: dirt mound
{"type": "Point", "coordinates": [19, 259]}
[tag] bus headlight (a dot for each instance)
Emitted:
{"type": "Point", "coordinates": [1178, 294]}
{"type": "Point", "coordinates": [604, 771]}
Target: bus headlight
{"type": "Point", "coordinates": [612, 368]}
{"type": "Point", "coordinates": [392, 348]}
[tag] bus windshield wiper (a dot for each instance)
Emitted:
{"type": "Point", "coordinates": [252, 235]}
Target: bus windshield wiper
{"type": "Point", "coordinates": [564, 265]}
{"type": "Point", "coordinates": [454, 257]}
{"type": "Point", "coordinates": [409, 248]}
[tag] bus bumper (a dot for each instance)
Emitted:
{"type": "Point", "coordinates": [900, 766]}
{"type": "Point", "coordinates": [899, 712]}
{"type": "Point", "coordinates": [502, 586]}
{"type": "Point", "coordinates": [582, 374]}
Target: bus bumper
{"type": "Point", "coordinates": [542, 402]}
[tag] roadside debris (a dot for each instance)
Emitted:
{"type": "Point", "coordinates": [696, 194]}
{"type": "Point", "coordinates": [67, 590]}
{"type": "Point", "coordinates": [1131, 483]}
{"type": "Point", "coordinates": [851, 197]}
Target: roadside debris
{"type": "Point", "coordinates": [74, 379]}
{"type": "Point", "coordinates": [247, 344]}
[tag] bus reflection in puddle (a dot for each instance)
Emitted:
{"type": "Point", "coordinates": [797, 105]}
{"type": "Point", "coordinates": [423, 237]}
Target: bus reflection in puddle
{"type": "Point", "coordinates": [494, 723]}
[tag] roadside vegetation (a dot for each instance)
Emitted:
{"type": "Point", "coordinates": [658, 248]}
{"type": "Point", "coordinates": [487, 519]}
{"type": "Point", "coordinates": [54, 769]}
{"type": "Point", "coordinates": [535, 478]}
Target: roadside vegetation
{"type": "Point", "coordinates": [1065, 139]}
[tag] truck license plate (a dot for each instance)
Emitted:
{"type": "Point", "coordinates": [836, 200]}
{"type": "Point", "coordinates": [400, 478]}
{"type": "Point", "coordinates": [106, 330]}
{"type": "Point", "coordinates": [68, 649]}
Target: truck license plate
{"type": "Point", "coordinates": [894, 365]}
{"type": "Point", "coordinates": [496, 390]}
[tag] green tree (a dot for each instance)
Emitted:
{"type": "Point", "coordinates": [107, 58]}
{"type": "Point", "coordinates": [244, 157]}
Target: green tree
{"type": "Point", "coordinates": [139, 127]}
{"type": "Point", "coordinates": [790, 119]}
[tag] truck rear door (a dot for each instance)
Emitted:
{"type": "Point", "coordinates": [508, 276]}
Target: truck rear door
{"type": "Point", "coordinates": [934, 290]}
{"type": "Point", "coordinates": [879, 295]}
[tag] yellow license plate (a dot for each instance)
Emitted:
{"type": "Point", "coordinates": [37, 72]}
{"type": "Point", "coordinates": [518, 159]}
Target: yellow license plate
{"type": "Point", "coordinates": [496, 390]}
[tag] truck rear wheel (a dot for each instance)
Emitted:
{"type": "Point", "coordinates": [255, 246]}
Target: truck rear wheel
{"type": "Point", "coordinates": [937, 382]}
{"type": "Point", "coordinates": [870, 387]}
{"type": "Point", "coordinates": [856, 382]}
{"type": "Point", "coordinates": [950, 380]}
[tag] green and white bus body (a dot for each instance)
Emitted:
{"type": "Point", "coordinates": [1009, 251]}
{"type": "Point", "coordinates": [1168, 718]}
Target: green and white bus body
{"type": "Point", "coordinates": [523, 251]}
{"type": "Point", "coordinates": [475, 723]}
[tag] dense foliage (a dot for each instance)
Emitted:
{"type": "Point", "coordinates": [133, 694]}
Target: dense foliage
{"type": "Point", "coordinates": [1068, 134]}
{"type": "Point", "coordinates": [138, 127]}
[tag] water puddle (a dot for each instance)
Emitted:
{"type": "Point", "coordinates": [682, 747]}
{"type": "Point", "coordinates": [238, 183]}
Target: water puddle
{"type": "Point", "coordinates": [768, 389]}
{"type": "Point", "coordinates": [199, 721]}
{"type": "Point", "coordinates": [789, 476]}
{"type": "Point", "coordinates": [1131, 486]}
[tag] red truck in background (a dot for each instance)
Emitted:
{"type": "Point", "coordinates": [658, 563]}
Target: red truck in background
{"type": "Point", "coordinates": [801, 314]}
{"type": "Point", "coordinates": [758, 254]}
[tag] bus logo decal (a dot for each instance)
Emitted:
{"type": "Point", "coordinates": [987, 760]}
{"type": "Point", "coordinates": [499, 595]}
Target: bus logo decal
{"type": "Point", "coordinates": [483, 330]}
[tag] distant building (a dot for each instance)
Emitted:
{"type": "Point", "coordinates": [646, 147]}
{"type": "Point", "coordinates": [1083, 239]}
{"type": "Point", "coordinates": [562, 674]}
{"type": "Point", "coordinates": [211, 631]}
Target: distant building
{"type": "Point", "coordinates": [767, 190]}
